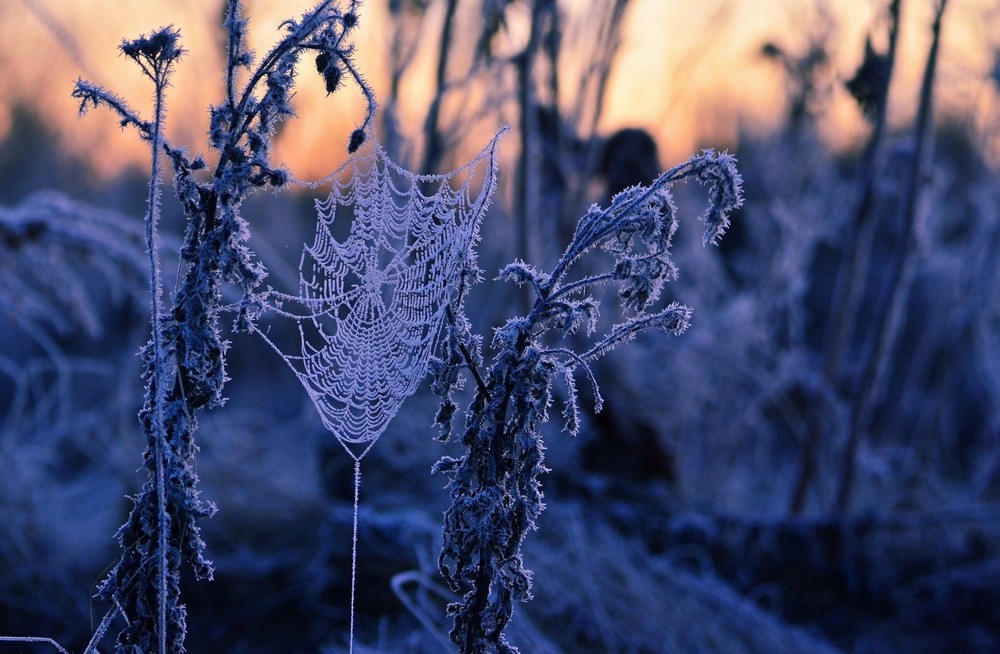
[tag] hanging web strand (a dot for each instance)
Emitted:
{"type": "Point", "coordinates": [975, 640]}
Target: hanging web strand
{"type": "Point", "coordinates": [354, 549]}
{"type": "Point", "coordinates": [390, 252]}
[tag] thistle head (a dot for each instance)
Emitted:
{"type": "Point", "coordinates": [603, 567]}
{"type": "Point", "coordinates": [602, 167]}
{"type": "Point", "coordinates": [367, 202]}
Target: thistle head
{"type": "Point", "coordinates": [156, 52]}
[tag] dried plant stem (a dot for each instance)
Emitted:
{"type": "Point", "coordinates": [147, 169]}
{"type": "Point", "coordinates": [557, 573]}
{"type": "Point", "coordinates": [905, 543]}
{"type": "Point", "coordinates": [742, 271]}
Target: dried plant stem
{"type": "Point", "coordinates": [891, 305]}
{"type": "Point", "coordinates": [849, 285]}
{"type": "Point", "coordinates": [160, 357]}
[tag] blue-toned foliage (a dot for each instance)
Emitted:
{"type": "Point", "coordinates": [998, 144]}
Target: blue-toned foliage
{"type": "Point", "coordinates": [496, 494]}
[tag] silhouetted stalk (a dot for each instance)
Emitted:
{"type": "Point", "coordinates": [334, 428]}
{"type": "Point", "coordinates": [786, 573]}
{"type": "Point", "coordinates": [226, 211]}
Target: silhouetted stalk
{"type": "Point", "coordinates": [890, 307]}
{"type": "Point", "coordinates": [850, 285]}
{"type": "Point", "coordinates": [527, 168]}
{"type": "Point", "coordinates": [586, 114]}
{"type": "Point", "coordinates": [608, 46]}
{"type": "Point", "coordinates": [531, 218]}
{"type": "Point", "coordinates": [808, 447]}
{"type": "Point", "coordinates": [434, 148]}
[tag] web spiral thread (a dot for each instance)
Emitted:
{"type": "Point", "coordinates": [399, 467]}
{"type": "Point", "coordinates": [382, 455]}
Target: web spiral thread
{"type": "Point", "coordinates": [390, 252]}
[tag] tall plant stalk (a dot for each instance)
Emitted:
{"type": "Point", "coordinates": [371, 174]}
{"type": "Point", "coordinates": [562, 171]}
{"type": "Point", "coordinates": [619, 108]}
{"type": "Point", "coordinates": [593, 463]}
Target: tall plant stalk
{"type": "Point", "coordinates": [877, 72]}
{"type": "Point", "coordinates": [161, 77]}
{"type": "Point", "coordinates": [185, 357]}
{"type": "Point", "coordinates": [891, 303]}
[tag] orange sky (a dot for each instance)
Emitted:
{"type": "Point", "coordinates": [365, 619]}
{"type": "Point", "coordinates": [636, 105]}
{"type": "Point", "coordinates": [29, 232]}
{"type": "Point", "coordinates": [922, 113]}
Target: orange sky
{"type": "Point", "coordinates": [688, 71]}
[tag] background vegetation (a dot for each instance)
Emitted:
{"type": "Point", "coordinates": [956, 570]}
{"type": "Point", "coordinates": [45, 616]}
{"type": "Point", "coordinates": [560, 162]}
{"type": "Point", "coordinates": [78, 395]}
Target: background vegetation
{"type": "Point", "coordinates": [813, 466]}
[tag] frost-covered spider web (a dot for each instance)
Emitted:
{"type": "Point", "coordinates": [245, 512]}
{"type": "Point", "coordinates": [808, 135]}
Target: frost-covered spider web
{"type": "Point", "coordinates": [389, 254]}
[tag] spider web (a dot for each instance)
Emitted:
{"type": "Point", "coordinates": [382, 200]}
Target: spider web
{"type": "Point", "coordinates": [390, 253]}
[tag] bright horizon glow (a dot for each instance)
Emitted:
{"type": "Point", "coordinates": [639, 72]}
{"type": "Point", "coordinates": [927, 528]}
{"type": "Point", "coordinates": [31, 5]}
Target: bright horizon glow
{"type": "Point", "coordinates": [691, 75]}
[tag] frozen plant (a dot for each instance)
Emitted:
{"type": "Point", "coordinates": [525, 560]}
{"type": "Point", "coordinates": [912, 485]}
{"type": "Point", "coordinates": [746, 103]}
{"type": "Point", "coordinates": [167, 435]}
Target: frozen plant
{"type": "Point", "coordinates": [185, 358]}
{"type": "Point", "coordinates": [496, 494]}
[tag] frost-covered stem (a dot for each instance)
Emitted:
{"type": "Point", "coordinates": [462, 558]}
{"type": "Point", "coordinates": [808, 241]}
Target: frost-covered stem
{"type": "Point", "coordinates": [466, 354]}
{"type": "Point", "coordinates": [673, 319]}
{"type": "Point", "coordinates": [102, 629]}
{"type": "Point", "coordinates": [159, 356]}
{"type": "Point", "coordinates": [185, 357]}
{"type": "Point", "coordinates": [92, 95]}
{"type": "Point", "coordinates": [499, 465]}
{"type": "Point", "coordinates": [241, 117]}
{"type": "Point", "coordinates": [496, 493]}
{"type": "Point", "coordinates": [243, 114]}
{"type": "Point", "coordinates": [294, 40]}
{"type": "Point", "coordinates": [596, 226]}
{"type": "Point", "coordinates": [484, 579]}
{"type": "Point", "coordinates": [573, 287]}
{"type": "Point", "coordinates": [370, 103]}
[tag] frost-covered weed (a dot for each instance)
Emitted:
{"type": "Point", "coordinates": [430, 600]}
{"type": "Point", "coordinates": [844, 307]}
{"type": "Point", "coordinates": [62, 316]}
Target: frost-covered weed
{"type": "Point", "coordinates": [185, 358]}
{"type": "Point", "coordinates": [495, 486]}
